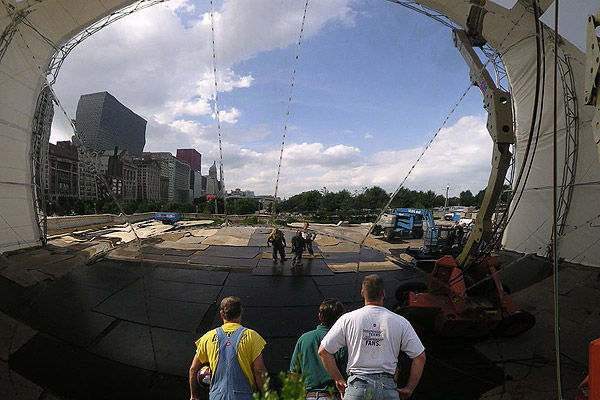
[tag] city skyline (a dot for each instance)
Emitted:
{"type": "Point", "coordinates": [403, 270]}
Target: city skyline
{"type": "Point", "coordinates": [373, 83]}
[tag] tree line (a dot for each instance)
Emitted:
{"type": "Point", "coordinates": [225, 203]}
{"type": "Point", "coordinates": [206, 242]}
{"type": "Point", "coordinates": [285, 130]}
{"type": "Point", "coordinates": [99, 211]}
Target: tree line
{"type": "Point", "coordinates": [74, 206]}
{"type": "Point", "coordinates": [321, 204]}
{"type": "Point", "coordinates": [371, 200]}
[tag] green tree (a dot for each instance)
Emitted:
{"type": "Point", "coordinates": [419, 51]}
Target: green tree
{"type": "Point", "coordinates": [79, 207]}
{"type": "Point", "coordinates": [187, 208]}
{"type": "Point", "coordinates": [467, 198]}
{"type": "Point", "coordinates": [479, 198]}
{"type": "Point", "coordinates": [246, 206]}
{"type": "Point", "coordinates": [310, 201]}
{"type": "Point", "coordinates": [375, 198]}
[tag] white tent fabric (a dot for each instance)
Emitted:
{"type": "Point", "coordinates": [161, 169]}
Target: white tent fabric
{"type": "Point", "coordinates": [512, 32]}
{"type": "Point", "coordinates": [25, 53]}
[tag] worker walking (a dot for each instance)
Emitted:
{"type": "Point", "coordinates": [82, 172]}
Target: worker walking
{"type": "Point", "coordinates": [308, 241]}
{"type": "Point", "coordinates": [278, 240]}
{"type": "Point", "coordinates": [297, 248]}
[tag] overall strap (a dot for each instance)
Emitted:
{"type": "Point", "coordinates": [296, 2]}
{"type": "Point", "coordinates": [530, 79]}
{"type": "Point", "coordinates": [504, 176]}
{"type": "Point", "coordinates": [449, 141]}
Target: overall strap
{"type": "Point", "coordinates": [229, 382]}
{"type": "Point", "coordinates": [236, 336]}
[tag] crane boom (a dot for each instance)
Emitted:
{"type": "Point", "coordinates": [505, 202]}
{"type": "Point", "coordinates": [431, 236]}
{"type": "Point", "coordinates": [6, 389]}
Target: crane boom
{"type": "Point", "coordinates": [592, 77]}
{"type": "Point", "coordinates": [500, 126]}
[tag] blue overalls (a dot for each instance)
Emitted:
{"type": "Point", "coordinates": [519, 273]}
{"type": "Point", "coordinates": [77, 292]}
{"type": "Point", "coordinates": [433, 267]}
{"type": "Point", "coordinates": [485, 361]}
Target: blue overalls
{"type": "Point", "coordinates": [229, 381]}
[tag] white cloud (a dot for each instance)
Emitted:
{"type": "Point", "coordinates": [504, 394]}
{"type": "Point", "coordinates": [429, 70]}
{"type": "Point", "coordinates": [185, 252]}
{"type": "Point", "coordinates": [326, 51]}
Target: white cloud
{"type": "Point", "coordinates": [158, 62]}
{"type": "Point", "coordinates": [230, 116]}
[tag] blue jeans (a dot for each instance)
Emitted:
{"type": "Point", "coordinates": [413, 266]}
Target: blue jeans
{"type": "Point", "coordinates": [372, 386]}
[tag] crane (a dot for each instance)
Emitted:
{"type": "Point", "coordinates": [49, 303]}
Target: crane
{"type": "Point", "coordinates": [465, 296]}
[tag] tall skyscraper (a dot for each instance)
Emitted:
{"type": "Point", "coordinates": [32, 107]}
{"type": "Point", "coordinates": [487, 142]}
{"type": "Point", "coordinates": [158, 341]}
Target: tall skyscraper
{"type": "Point", "coordinates": [176, 172]}
{"type": "Point", "coordinates": [192, 157]}
{"type": "Point", "coordinates": [104, 123]}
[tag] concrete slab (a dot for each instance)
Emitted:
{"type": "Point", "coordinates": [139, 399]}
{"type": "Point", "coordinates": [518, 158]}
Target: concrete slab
{"type": "Point", "coordinates": [72, 372]}
{"type": "Point", "coordinates": [368, 255]}
{"type": "Point", "coordinates": [246, 280]}
{"type": "Point", "coordinates": [17, 274]}
{"type": "Point", "coordinates": [347, 278]}
{"type": "Point", "coordinates": [174, 351]}
{"type": "Point", "coordinates": [109, 275]}
{"type": "Point", "coordinates": [288, 292]}
{"type": "Point", "coordinates": [170, 290]}
{"type": "Point", "coordinates": [344, 293]}
{"type": "Point", "coordinates": [182, 245]}
{"type": "Point", "coordinates": [62, 267]}
{"type": "Point", "coordinates": [190, 275]}
{"type": "Point", "coordinates": [13, 335]}
{"type": "Point", "coordinates": [128, 343]}
{"type": "Point", "coordinates": [326, 242]}
{"type": "Point", "coordinates": [364, 266]}
{"type": "Point", "coordinates": [170, 314]}
{"type": "Point", "coordinates": [167, 251]}
{"type": "Point", "coordinates": [15, 386]}
{"type": "Point", "coordinates": [60, 319]}
{"type": "Point", "coordinates": [309, 267]}
{"type": "Point", "coordinates": [231, 236]}
{"type": "Point", "coordinates": [290, 320]}
{"type": "Point", "coordinates": [259, 237]}
{"type": "Point", "coordinates": [171, 387]}
{"type": "Point", "coordinates": [13, 295]}
{"type": "Point", "coordinates": [278, 352]}
{"type": "Point", "coordinates": [223, 261]}
{"type": "Point", "coordinates": [291, 301]}
{"type": "Point", "coordinates": [70, 290]}
{"type": "Point", "coordinates": [341, 247]}
{"type": "Point", "coordinates": [454, 370]}
{"type": "Point", "coordinates": [231, 251]}
{"type": "Point", "coordinates": [529, 359]}
{"type": "Point", "coordinates": [167, 259]}
{"type": "Point", "coordinates": [522, 272]}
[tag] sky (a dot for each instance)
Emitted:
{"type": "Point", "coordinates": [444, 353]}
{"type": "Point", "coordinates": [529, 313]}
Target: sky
{"type": "Point", "coordinates": [374, 82]}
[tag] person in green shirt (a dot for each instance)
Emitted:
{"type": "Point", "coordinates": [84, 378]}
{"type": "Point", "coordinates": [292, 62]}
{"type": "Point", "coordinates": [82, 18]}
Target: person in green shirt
{"type": "Point", "coordinates": [305, 359]}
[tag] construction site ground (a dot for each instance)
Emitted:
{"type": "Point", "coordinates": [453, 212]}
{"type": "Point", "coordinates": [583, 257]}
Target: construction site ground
{"type": "Point", "coordinates": [114, 312]}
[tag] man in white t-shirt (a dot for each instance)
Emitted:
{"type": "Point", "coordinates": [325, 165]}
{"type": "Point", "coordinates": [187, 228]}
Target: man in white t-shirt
{"type": "Point", "coordinates": [374, 336]}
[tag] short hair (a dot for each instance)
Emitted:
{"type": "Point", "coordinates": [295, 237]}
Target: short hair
{"type": "Point", "coordinates": [330, 310]}
{"type": "Point", "coordinates": [231, 307]}
{"type": "Point", "coordinates": [372, 286]}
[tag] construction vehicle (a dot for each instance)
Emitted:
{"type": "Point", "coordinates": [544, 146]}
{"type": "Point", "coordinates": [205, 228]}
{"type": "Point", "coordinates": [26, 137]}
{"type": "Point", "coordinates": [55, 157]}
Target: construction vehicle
{"type": "Point", "coordinates": [402, 223]}
{"type": "Point", "coordinates": [464, 296]}
{"type": "Point", "coordinates": [166, 217]}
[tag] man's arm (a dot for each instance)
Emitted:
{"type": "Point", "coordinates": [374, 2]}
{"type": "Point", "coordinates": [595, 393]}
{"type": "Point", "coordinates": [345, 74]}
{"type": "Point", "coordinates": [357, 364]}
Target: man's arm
{"type": "Point", "coordinates": [416, 370]}
{"type": "Point", "coordinates": [194, 386]}
{"type": "Point", "coordinates": [329, 363]}
{"type": "Point", "coordinates": [259, 370]}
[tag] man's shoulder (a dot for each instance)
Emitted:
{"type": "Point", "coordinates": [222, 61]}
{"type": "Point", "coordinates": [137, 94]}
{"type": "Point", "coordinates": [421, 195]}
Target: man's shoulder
{"type": "Point", "coordinates": [251, 334]}
{"type": "Point", "coordinates": [209, 336]}
{"type": "Point", "coordinates": [311, 334]}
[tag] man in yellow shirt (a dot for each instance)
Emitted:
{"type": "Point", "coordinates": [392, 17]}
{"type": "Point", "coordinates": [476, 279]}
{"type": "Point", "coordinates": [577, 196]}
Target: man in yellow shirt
{"type": "Point", "coordinates": [234, 354]}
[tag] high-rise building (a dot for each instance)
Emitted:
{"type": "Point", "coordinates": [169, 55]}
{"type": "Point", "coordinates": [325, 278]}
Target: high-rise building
{"type": "Point", "coordinates": [120, 174]}
{"type": "Point", "coordinates": [63, 171]}
{"type": "Point", "coordinates": [103, 123]}
{"type": "Point", "coordinates": [177, 172]}
{"type": "Point", "coordinates": [192, 157]}
{"type": "Point", "coordinates": [148, 179]}
{"type": "Point", "coordinates": [210, 183]}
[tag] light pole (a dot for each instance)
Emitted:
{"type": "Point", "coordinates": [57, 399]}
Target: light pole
{"type": "Point", "coordinates": [446, 204]}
